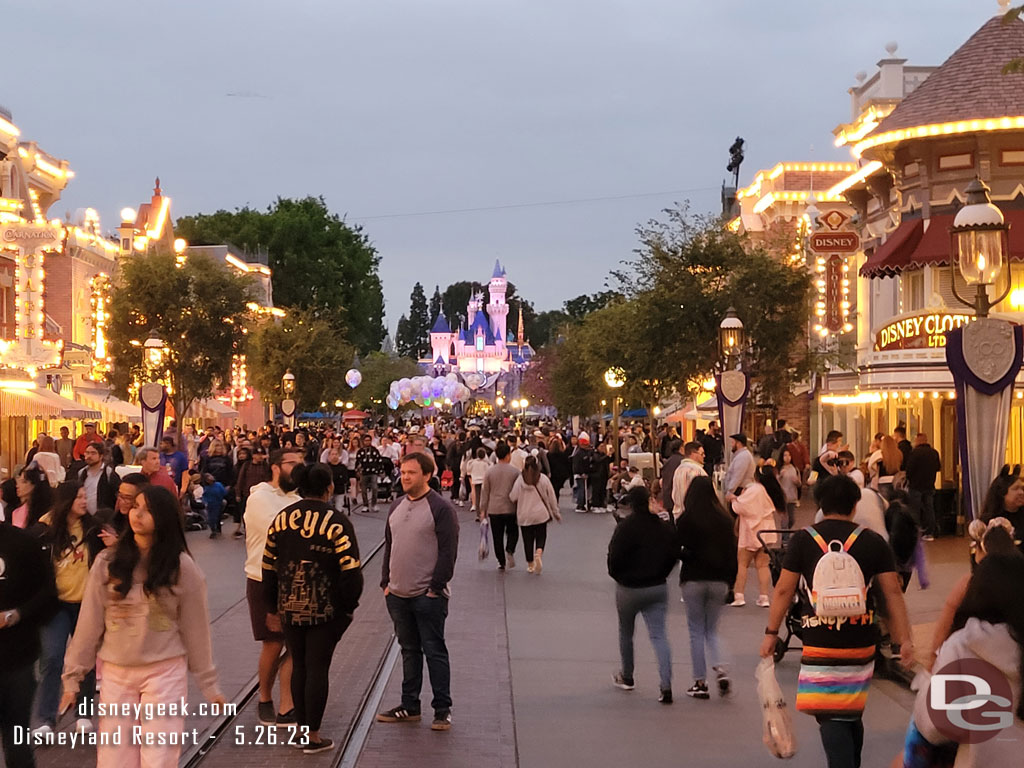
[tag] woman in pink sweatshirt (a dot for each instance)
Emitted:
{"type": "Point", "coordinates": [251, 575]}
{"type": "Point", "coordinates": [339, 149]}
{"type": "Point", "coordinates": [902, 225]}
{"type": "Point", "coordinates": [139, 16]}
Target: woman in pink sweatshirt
{"type": "Point", "coordinates": [144, 614]}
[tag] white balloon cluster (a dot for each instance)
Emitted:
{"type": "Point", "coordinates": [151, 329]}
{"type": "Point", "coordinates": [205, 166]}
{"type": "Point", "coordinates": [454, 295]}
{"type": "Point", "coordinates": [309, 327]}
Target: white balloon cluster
{"type": "Point", "coordinates": [426, 390]}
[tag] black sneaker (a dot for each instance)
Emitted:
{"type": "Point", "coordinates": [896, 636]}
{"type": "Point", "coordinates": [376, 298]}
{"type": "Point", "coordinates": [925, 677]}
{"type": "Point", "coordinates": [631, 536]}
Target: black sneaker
{"type": "Point", "coordinates": [724, 684]}
{"type": "Point", "coordinates": [699, 690]}
{"type": "Point", "coordinates": [442, 720]}
{"type": "Point", "coordinates": [266, 713]}
{"type": "Point", "coordinates": [620, 681]}
{"type": "Point", "coordinates": [666, 696]}
{"type": "Point", "coordinates": [398, 715]}
{"type": "Point", "coordinates": [314, 747]}
{"type": "Point", "coordinates": [286, 718]}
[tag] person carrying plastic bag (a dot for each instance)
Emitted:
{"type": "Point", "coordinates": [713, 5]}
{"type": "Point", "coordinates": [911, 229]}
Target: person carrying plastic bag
{"type": "Point", "coordinates": [778, 733]}
{"type": "Point", "coordinates": [835, 562]}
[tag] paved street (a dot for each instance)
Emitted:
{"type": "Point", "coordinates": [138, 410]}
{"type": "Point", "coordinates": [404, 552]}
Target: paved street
{"type": "Point", "coordinates": [532, 658]}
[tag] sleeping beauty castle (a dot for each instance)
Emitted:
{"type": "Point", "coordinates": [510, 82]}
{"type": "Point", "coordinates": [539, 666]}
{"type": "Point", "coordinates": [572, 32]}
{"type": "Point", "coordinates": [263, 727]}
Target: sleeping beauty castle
{"type": "Point", "coordinates": [483, 346]}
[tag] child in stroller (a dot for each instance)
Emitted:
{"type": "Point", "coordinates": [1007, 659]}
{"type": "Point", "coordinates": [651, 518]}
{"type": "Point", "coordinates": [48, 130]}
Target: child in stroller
{"type": "Point", "coordinates": [792, 626]}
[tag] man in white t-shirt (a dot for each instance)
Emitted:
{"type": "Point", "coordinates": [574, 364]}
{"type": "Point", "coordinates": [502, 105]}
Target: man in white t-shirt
{"type": "Point", "coordinates": [265, 501]}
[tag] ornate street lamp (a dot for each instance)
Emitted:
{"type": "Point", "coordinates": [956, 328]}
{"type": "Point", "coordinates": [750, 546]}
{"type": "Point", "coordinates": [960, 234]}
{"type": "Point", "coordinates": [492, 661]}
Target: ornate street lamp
{"type": "Point", "coordinates": [731, 337]}
{"type": "Point", "coordinates": [153, 394]}
{"type": "Point", "coordinates": [983, 356]}
{"type": "Point", "coordinates": [615, 378]}
{"type": "Point", "coordinates": [732, 384]}
{"type": "Point", "coordinates": [979, 238]}
{"type": "Point", "coordinates": [288, 404]}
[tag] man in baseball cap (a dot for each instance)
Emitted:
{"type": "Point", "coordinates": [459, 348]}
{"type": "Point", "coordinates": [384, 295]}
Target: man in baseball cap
{"type": "Point", "coordinates": [741, 467]}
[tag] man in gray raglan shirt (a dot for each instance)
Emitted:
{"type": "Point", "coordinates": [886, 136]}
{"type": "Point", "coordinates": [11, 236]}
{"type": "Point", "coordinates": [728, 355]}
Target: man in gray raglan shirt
{"type": "Point", "coordinates": [496, 503]}
{"type": "Point", "coordinates": [421, 540]}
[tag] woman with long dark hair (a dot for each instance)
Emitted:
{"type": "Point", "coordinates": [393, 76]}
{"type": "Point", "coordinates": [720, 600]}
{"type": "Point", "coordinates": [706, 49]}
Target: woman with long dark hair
{"type": "Point", "coordinates": [35, 494]}
{"type": "Point", "coordinates": [989, 625]}
{"type": "Point", "coordinates": [708, 550]}
{"type": "Point", "coordinates": [536, 504]}
{"type": "Point", "coordinates": [312, 583]}
{"type": "Point", "coordinates": [72, 537]}
{"type": "Point", "coordinates": [145, 615]}
{"type": "Point", "coordinates": [1005, 498]}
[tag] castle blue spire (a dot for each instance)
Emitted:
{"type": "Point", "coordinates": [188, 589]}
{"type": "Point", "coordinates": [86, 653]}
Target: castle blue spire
{"type": "Point", "coordinates": [441, 325]}
{"type": "Point", "coordinates": [499, 271]}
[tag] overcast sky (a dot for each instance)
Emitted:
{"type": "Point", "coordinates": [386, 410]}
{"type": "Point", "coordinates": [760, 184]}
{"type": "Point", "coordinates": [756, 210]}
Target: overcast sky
{"type": "Point", "coordinates": [389, 108]}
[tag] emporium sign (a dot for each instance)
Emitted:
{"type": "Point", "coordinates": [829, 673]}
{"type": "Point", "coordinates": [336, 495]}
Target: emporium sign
{"type": "Point", "coordinates": [919, 331]}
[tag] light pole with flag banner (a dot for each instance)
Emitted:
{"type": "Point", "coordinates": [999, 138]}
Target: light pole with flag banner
{"type": "Point", "coordinates": [153, 394]}
{"type": "Point", "coordinates": [984, 356]}
{"type": "Point", "coordinates": [732, 384]}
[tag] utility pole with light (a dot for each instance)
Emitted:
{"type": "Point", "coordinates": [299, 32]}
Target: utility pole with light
{"type": "Point", "coordinates": [288, 404]}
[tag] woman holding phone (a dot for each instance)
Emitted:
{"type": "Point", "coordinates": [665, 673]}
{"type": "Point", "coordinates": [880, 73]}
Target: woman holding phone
{"type": "Point", "coordinates": [72, 536]}
{"type": "Point", "coordinates": [144, 613]}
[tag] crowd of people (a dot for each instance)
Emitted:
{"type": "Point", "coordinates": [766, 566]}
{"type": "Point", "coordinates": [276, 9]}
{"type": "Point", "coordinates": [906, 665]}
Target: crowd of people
{"type": "Point", "coordinates": [99, 580]}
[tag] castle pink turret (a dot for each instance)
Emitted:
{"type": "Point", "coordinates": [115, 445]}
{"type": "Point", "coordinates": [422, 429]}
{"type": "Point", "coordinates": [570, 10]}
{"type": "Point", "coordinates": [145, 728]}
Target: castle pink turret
{"type": "Point", "coordinates": [497, 309]}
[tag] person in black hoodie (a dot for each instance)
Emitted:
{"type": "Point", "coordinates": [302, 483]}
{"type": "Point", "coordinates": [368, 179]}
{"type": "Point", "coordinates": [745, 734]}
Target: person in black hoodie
{"type": "Point", "coordinates": [641, 555]}
{"type": "Point", "coordinates": [707, 546]}
{"type": "Point", "coordinates": [312, 581]}
{"type": "Point", "coordinates": [28, 598]}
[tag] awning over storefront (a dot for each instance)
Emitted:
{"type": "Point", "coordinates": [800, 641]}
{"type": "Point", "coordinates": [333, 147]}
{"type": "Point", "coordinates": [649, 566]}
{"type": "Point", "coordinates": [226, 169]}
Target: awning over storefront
{"type": "Point", "coordinates": [210, 409]}
{"type": "Point", "coordinates": [112, 408]}
{"type": "Point", "coordinates": [918, 243]}
{"type": "Point", "coordinates": [42, 404]}
{"type": "Point", "coordinates": [894, 254]}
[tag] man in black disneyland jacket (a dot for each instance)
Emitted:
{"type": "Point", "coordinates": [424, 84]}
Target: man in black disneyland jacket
{"type": "Point", "coordinates": [28, 596]}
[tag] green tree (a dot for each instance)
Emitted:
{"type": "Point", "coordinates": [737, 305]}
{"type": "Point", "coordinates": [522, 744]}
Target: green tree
{"type": "Point", "coordinates": [198, 310]}
{"type": "Point", "coordinates": [435, 305]}
{"type": "Point", "coordinates": [1014, 66]}
{"type": "Point", "coordinates": [320, 263]}
{"type": "Point", "coordinates": [310, 347]}
{"type": "Point", "coordinates": [413, 337]}
{"type": "Point", "coordinates": [578, 308]}
{"type": "Point", "coordinates": [379, 371]}
{"type": "Point", "coordinates": [454, 300]}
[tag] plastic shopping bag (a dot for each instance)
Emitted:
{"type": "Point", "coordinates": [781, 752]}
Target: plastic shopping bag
{"type": "Point", "coordinates": [778, 726]}
{"type": "Point", "coordinates": [485, 539]}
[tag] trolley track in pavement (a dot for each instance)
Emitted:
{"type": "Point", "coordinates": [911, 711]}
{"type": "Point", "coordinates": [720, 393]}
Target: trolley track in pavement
{"type": "Point", "coordinates": [215, 734]}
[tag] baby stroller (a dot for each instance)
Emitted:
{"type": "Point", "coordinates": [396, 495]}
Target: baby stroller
{"type": "Point", "coordinates": [792, 625]}
{"type": "Point", "coordinates": [195, 513]}
{"type": "Point", "coordinates": [386, 481]}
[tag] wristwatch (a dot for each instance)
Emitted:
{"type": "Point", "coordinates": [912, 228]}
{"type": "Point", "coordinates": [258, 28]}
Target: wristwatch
{"type": "Point", "coordinates": [771, 631]}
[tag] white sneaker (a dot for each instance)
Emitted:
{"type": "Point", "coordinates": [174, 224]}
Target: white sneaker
{"type": "Point", "coordinates": [43, 731]}
{"type": "Point", "coordinates": [83, 725]}
{"type": "Point", "coordinates": [510, 560]}
{"type": "Point", "coordinates": [762, 601]}
{"type": "Point", "coordinates": [529, 567]}
{"type": "Point", "coordinates": [739, 602]}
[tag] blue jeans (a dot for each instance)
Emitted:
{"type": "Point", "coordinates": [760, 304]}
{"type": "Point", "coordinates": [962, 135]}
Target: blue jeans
{"type": "Point", "coordinates": [581, 492]}
{"type": "Point", "coordinates": [652, 602]}
{"type": "Point", "coordinates": [704, 603]}
{"type": "Point", "coordinates": [419, 626]}
{"type": "Point", "coordinates": [51, 663]}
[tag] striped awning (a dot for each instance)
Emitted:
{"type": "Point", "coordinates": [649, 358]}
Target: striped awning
{"type": "Point", "coordinates": [43, 404]}
{"type": "Point", "coordinates": [210, 409]}
{"type": "Point", "coordinates": [112, 408]}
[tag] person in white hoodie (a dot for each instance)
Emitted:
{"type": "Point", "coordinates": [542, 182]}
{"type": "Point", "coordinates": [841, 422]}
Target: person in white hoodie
{"type": "Point", "coordinates": [989, 626]}
{"type": "Point", "coordinates": [264, 503]}
{"type": "Point", "coordinates": [536, 504]}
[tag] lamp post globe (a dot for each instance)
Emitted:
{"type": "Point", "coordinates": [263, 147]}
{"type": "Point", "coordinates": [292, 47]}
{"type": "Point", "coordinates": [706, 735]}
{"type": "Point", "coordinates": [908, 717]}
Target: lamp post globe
{"type": "Point", "coordinates": [615, 377]}
{"type": "Point", "coordinates": [731, 336]}
{"type": "Point", "coordinates": [288, 383]}
{"type": "Point", "coordinates": [979, 245]}
{"type": "Point", "coordinates": [154, 349]}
